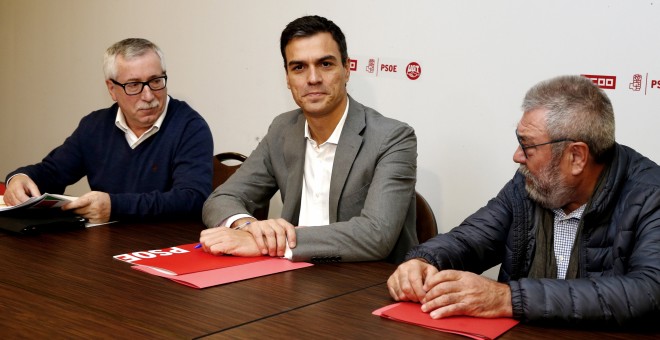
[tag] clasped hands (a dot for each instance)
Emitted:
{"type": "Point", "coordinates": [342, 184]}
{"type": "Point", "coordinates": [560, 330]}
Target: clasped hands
{"type": "Point", "coordinates": [449, 292]}
{"type": "Point", "coordinates": [267, 237]}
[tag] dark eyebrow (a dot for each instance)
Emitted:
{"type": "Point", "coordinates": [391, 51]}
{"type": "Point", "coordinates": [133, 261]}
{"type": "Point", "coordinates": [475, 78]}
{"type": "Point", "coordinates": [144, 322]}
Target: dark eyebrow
{"type": "Point", "coordinates": [294, 62]}
{"type": "Point", "coordinates": [322, 59]}
{"type": "Point", "coordinates": [328, 57]}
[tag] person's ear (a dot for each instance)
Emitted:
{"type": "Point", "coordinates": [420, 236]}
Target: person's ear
{"type": "Point", "coordinates": [579, 157]}
{"type": "Point", "coordinates": [111, 89]}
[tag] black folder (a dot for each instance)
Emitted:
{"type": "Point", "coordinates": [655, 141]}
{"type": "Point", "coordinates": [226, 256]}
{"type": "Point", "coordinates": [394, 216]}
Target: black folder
{"type": "Point", "coordinates": [31, 221]}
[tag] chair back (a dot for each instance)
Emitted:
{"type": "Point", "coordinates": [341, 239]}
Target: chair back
{"type": "Point", "coordinates": [426, 223]}
{"type": "Point", "coordinates": [224, 165]}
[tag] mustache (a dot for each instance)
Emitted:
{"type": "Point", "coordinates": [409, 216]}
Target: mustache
{"type": "Point", "coordinates": [148, 105]}
{"type": "Point", "coordinates": [524, 171]}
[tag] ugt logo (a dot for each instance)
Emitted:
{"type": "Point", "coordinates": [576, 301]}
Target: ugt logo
{"type": "Point", "coordinates": [413, 70]}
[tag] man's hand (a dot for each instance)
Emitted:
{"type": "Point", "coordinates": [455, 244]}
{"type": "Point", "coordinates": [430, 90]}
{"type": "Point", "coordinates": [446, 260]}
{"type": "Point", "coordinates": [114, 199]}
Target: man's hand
{"type": "Point", "coordinates": [222, 240]}
{"type": "Point", "coordinates": [94, 206]}
{"type": "Point", "coordinates": [271, 236]}
{"type": "Point", "coordinates": [19, 189]}
{"type": "Point", "coordinates": [453, 292]}
{"type": "Point", "coordinates": [407, 282]}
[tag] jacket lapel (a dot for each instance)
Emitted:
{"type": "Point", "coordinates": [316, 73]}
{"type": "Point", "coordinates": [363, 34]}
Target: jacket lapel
{"type": "Point", "coordinates": [347, 149]}
{"type": "Point", "coordinates": [294, 155]}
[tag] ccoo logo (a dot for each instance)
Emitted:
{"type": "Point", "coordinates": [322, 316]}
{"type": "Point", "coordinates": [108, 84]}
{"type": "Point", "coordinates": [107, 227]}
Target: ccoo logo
{"type": "Point", "coordinates": [604, 82]}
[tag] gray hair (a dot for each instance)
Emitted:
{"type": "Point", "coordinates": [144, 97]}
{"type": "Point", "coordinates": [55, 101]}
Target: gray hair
{"type": "Point", "coordinates": [128, 49]}
{"type": "Point", "coordinates": [577, 109]}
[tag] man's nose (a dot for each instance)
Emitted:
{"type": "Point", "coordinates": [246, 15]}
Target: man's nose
{"type": "Point", "coordinates": [519, 155]}
{"type": "Point", "coordinates": [314, 76]}
{"type": "Point", "coordinates": [147, 95]}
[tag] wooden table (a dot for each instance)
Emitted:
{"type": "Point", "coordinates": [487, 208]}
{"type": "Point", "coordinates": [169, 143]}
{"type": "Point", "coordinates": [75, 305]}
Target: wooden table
{"type": "Point", "coordinates": [349, 317]}
{"type": "Point", "coordinates": [67, 285]}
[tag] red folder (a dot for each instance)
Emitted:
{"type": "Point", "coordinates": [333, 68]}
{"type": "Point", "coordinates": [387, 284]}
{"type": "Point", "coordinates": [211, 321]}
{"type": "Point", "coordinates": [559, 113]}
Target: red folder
{"type": "Point", "coordinates": [475, 328]}
{"type": "Point", "coordinates": [196, 268]}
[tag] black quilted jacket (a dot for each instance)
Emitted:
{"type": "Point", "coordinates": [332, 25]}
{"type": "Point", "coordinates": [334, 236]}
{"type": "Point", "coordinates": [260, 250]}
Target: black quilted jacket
{"type": "Point", "coordinates": [619, 250]}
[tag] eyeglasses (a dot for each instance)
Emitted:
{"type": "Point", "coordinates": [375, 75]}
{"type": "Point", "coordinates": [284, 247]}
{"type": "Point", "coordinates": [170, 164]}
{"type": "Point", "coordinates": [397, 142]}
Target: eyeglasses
{"type": "Point", "coordinates": [524, 148]}
{"type": "Point", "coordinates": [135, 87]}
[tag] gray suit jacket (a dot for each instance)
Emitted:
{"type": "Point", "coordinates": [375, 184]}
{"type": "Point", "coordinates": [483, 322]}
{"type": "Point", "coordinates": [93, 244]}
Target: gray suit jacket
{"type": "Point", "coordinates": [372, 187]}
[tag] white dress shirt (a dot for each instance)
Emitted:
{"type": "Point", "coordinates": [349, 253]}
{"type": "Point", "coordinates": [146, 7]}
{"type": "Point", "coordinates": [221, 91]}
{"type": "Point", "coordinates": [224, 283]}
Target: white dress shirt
{"type": "Point", "coordinates": [315, 202]}
{"type": "Point", "coordinates": [315, 199]}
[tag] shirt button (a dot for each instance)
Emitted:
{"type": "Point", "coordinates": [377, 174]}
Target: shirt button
{"type": "Point", "coordinates": [561, 259]}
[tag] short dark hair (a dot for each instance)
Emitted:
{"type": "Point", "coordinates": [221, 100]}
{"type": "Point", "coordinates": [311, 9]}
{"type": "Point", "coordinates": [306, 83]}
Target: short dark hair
{"type": "Point", "coordinates": [310, 25]}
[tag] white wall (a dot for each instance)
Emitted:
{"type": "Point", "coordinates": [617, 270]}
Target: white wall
{"type": "Point", "coordinates": [478, 58]}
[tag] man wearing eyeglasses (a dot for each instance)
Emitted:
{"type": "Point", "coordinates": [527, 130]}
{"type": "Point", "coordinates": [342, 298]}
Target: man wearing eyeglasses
{"type": "Point", "coordinates": [148, 155]}
{"type": "Point", "coordinates": [576, 231]}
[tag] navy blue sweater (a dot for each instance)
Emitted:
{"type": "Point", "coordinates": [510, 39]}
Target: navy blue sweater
{"type": "Point", "coordinates": [169, 174]}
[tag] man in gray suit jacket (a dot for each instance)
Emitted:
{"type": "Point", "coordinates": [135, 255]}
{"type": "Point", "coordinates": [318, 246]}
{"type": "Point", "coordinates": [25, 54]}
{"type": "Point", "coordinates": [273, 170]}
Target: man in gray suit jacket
{"type": "Point", "coordinates": [345, 173]}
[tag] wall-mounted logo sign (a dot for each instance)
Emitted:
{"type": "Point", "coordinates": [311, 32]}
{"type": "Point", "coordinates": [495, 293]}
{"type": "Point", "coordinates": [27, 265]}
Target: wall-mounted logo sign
{"type": "Point", "coordinates": [413, 70]}
{"type": "Point", "coordinates": [352, 64]}
{"type": "Point", "coordinates": [604, 82]}
{"type": "Point", "coordinates": [636, 84]}
{"type": "Point", "coordinates": [655, 84]}
{"type": "Point", "coordinates": [640, 83]}
{"type": "Point", "coordinates": [386, 67]}
{"type": "Point", "coordinates": [371, 67]}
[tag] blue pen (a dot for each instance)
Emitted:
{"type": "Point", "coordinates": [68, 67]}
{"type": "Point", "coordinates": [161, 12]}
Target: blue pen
{"type": "Point", "coordinates": [199, 245]}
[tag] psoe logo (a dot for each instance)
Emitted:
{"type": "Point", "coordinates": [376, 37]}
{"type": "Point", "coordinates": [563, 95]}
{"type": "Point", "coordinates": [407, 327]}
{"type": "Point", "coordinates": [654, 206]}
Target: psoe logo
{"type": "Point", "coordinates": [636, 84]}
{"type": "Point", "coordinates": [372, 66]}
{"type": "Point", "coordinates": [655, 84]}
{"type": "Point", "coordinates": [413, 70]}
{"type": "Point", "coordinates": [604, 82]}
{"type": "Point", "coordinates": [352, 64]}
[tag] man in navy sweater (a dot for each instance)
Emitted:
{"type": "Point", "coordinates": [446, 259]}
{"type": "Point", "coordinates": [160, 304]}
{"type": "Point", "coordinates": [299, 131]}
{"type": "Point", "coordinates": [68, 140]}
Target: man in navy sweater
{"type": "Point", "coordinates": [146, 156]}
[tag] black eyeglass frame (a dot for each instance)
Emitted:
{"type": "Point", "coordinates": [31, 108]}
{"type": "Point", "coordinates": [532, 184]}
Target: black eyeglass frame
{"type": "Point", "coordinates": [524, 148]}
{"type": "Point", "coordinates": [144, 83]}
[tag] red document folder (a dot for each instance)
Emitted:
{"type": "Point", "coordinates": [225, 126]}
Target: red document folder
{"type": "Point", "coordinates": [196, 268]}
{"type": "Point", "coordinates": [475, 328]}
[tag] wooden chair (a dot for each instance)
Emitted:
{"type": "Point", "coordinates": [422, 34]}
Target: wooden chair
{"type": "Point", "coordinates": [426, 223]}
{"type": "Point", "coordinates": [223, 168]}
{"type": "Point", "coordinates": [224, 165]}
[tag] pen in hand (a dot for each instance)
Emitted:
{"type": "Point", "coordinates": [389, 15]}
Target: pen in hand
{"type": "Point", "coordinates": [199, 245]}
